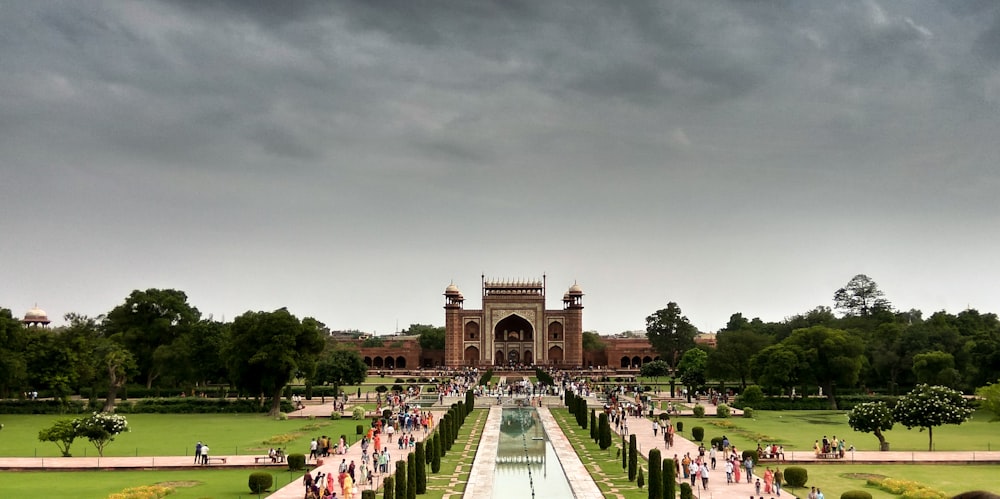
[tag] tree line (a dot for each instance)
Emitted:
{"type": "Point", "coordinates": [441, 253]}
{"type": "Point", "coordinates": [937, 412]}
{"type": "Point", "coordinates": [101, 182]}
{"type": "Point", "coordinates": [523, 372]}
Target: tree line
{"type": "Point", "coordinates": [159, 339]}
{"type": "Point", "coordinates": [869, 346]}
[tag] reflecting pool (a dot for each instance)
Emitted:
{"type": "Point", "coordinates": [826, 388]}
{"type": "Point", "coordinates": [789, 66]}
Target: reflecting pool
{"type": "Point", "coordinates": [526, 464]}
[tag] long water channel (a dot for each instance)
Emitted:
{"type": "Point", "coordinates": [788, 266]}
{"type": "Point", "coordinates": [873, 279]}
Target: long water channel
{"type": "Point", "coordinates": [526, 463]}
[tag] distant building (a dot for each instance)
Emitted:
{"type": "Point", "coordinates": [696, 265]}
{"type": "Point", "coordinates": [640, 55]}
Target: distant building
{"type": "Point", "coordinates": [513, 326]}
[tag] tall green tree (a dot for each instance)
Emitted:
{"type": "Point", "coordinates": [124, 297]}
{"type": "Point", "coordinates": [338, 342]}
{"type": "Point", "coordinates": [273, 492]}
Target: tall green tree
{"type": "Point", "coordinates": [936, 368]}
{"type": "Point", "coordinates": [670, 333]}
{"type": "Point", "coordinates": [834, 357]}
{"type": "Point", "coordinates": [341, 366]}
{"type": "Point", "coordinates": [150, 320]}
{"type": "Point", "coordinates": [692, 370]}
{"type": "Point", "coordinates": [421, 469]}
{"type": "Point", "coordinates": [13, 368]}
{"type": "Point", "coordinates": [734, 350]}
{"type": "Point", "coordinates": [777, 366]}
{"type": "Point", "coordinates": [267, 349]}
{"type": "Point", "coordinates": [989, 396]}
{"type": "Point", "coordinates": [929, 406]}
{"type": "Point", "coordinates": [431, 337]}
{"type": "Point", "coordinates": [62, 433]}
{"type": "Point", "coordinates": [861, 297]}
{"type": "Point", "coordinates": [655, 490]}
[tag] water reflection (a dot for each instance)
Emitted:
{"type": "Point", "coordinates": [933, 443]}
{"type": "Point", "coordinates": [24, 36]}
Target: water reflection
{"type": "Point", "coordinates": [526, 463]}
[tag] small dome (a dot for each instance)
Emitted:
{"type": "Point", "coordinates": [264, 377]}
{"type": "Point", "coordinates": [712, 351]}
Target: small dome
{"type": "Point", "coordinates": [575, 289]}
{"type": "Point", "coordinates": [36, 315]}
{"type": "Point", "coordinates": [452, 289]}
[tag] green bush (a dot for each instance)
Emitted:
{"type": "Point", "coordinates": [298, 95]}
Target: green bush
{"type": "Point", "coordinates": [752, 454]}
{"type": "Point", "coordinates": [679, 426]}
{"type": "Point", "coordinates": [686, 492]}
{"type": "Point", "coordinates": [296, 462]}
{"type": "Point", "coordinates": [698, 433]}
{"type": "Point", "coordinates": [282, 416]}
{"type": "Point", "coordinates": [722, 411]}
{"type": "Point", "coordinates": [748, 412]}
{"type": "Point", "coordinates": [716, 442]}
{"type": "Point", "coordinates": [663, 416]}
{"type": "Point", "coordinates": [855, 494]}
{"type": "Point", "coordinates": [751, 396]}
{"type": "Point", "coordinates": [360, 429]}
{"type": "Point", "coordinates": [335, 415]}
{"type": "Point", "coordinates": [796, 476]}
{"type": "Point", "coordinates": [381, 389]}
{"type": "Point", "coordinates": [400, 380]}
{"type": "Point", "coordinates": [640, 481]}
{"type": "Point", "coordinates": [699, 411]}
{"type": "Point", "coordinates": [389, 488]}
{"type": "Point", "coordinates": [260, 481]}
{"type": "Point", "coordinates": [367, 494]}
{"type": "Point", "coordinates": [358, 413]}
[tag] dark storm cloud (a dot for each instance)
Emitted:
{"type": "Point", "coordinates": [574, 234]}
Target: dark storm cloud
{"type": "Point", "coordinates": [671, 128]}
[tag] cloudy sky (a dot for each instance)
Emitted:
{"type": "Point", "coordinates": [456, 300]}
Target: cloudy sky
{"type": "Point", "coordinates": [351, 159]}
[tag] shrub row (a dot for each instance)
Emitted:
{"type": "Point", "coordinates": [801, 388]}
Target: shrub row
{"type": "Point", "coordinates": [810, 404]}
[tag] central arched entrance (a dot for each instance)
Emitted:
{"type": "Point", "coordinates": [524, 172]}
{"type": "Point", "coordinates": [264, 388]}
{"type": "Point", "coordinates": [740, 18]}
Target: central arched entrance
{"type": "Point", "coordinates": [514, 337]}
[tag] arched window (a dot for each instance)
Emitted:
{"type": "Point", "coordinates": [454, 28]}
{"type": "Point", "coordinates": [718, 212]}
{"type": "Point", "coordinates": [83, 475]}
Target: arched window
{"type": "Point", "coordinates": [555, 331]}
{"type": "Point", "coordinates": [471, 331]}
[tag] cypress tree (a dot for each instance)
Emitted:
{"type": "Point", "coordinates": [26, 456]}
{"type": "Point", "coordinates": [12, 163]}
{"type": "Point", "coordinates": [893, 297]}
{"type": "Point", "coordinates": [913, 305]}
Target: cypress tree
{"type": "Point", "coordinates": [669, 479]}
{"type": "Point", "coordinates": [443, 435]}
{"type": "Point", "coordinates": [633, 457]}
{"type": "Point", "coordinates": [401, 479]}
{"type": "Point", "coordinates": [640, 481]}
{"type": "Point", "coordinates": [581, 413]}
{"type": "Point", "coordinates": [593, 425]}
{"type": "Point", "coordinates": [411, 476]}
{"type": "Point", "coordinates": [388, 488]}
{"type": "Point", "coordinates": [470, 399]}
{"type": "Point", "coordinates": [604, 432]}
{"type": "Point", "coordinates": [655, 470]}
{"type": "Point", "coordinates": [421, 470]}
{"type": "Point", "coordinates": [429, 448]}
{"type": "Point", "coordinates": [436, 453]}
{"type": "Point", "coordinates": [624, 454]}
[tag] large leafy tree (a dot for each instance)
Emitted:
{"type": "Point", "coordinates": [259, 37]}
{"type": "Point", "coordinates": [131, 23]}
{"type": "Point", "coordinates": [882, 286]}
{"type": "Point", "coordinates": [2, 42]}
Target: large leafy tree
{"type": "Point", "coordinates": [777, 366]}
{"type": "Point", "coordinates": [592, 342]}
{"type": "Point", "coordinates": [833, 356]}
{"type": "Point", "coordinates": [340, 366]}
{"type": "Point", "coordinates": [13, 368]}
{"type": "Point", "coordinates": [267, 349]}
{"type": "Point", "coordinates": [734, 350]}
{"type": "Point", "coordinates": [990, 399]}
{"type": "Point", "coordinates": [150, 320]}
{"type": "Point", "coordinates": [872, 417]}
{"type": "Point", "coordinates": [655, 369]}
{"type": "Point", "coordinates": [692, 369]}
{"type": "Point", "coordinates": [936, 368]}
{"type": "Point", "coordinates": [670, 333]}
{"type": "Point", "coordinates": [431, 338]}
{"type": "Point", "coordinates": [928, 406]}
{"type": "Point", "coordinates": [861, 297]}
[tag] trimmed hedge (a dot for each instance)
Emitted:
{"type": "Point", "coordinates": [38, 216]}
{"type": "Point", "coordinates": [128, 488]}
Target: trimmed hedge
{"type": "Point", "coordinates": [698, 410]}
{"type": "Point", "coordinates": [260, 481]}
{"type": "Point", "coordinates": [856, 494]}
{"type": "Point", "coordinates": [722, 411]}
{"type": "Point", "coordinates": [698, 433]}
{"type": "Point", "coordinates": [296, 462]}
{"type": "Point", "coordinates": [796, 476]}
{"type": "Point", "coordinates": [752, 454]}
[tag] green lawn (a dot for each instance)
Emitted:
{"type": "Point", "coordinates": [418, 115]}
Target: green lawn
{"type": "Point", "coordinates": [797, 430]}
{"type": "Point", "coordinates": [190, 484]}
{"type": "Point", "coordinates": [950, 479]}
{"type": "Point", "coordinates": [176, 434]}
{"type": "Point", "coordinates": [604, 465]}
{"type": "Point", "coordinates": [454, 466]}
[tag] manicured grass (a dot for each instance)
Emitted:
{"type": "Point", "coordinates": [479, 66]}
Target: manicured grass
{"type": "Point", "coordinates": [190, 484]}
{"type": "Point", "coordinates": [455, 466]}
{"type": "Point", "coordinates": [604, 465]}
{"type": "Point", "coordinates": [797, 430]}
{"type": "Point", "coordinates": [950, 479]}
{"type": "Point", "coordinates": [176, 435]}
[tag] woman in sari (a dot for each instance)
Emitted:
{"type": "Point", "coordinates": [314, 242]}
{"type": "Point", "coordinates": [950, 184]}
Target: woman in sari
{"type": "Point", "coordinates": [768, 481]}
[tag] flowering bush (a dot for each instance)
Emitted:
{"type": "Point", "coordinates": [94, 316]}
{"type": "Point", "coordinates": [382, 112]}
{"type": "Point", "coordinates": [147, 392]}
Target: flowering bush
{"type": "Point", "coordinates": [906, 489]}
{"type": "Point", "coordinates": [101, 428]}
{"type": "Point", "coordinates": [929, 406]}
{"type": "Point", "coordinates": [144, 492]}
